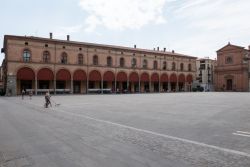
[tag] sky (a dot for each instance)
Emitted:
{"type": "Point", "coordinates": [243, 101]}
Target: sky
{"type": "Point", "coordinates": [192, 27]}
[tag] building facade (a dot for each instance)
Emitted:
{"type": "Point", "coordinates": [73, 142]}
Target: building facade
{"type": "Point", "coordinates": [205, 73]}
{"type": "Point", "coordinates": [64, 66]}
{"type": "Point", "coordinates": [232, 70]}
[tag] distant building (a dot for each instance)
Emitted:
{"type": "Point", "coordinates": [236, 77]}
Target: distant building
{"type": "Point", "coordinates": [205, 73]}
{"type": "Point", "coordinates": [63, 66]}
{"type": "Point", "coordinates": [232, 70]}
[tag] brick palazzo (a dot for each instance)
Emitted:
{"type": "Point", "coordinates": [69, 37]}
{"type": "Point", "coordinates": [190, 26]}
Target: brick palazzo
{"type": "Point", "coordinates": [63, 66]}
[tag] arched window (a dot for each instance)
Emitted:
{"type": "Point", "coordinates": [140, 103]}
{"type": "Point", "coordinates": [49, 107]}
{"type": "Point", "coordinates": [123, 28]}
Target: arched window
{"type": "Point", "coordinates": [164, 65]}
{"type": "Point", "coordinates": [182, 66]}
{"type": "Point", "coordinates": [189, 67]}
{"type": "Point", "coordinates": [64, 58]}
{"type": "Point", "coordinates": [109, 61]}
{"type": "Point", "coordinates": [80, 59]}
{"type": "Point", "coordinates": [155, 65]}
{"type": "Point", "coordinates": [95, 60]}
{"type": "Point", "coordinates": [26, 55]}
{"type": "Point", "coordinates": [145, 64]}
{"type": "Point", "coordinates": [229, 60]}
{"type": "Point", "coordinates": [122, 62]}
{"type": "Point", "coordinates": [173, 66]}
{"type": "Point", "coordinates": [133, 62]}
{"type": "Point", "coordinates": [46, 56]}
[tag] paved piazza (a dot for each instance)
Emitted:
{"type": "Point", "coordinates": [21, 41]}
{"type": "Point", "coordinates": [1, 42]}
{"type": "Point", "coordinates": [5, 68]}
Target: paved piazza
{"type": "Point", "coordinates": [158, 130]}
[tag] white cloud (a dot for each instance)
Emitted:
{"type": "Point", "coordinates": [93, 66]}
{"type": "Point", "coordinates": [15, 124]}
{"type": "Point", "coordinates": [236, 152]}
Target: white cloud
{"type": "Point", "coordinates": [123, 14]}
{"type": "Point", "coordinates": [214, 15]}
{"type": "Point", "coordinates": [213, 24]}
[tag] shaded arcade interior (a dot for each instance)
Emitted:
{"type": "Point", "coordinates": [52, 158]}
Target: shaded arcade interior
{"type": "Point", "coordinates": [79, 82]}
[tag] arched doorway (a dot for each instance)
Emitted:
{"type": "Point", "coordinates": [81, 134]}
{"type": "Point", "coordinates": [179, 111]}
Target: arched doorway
{"type": "Point", "coordinates": [109, 82]}
{"type": "Point", "coordinates": [173, 82]}
{"type": "Point", "coordinates": [25, 80]}
{"type": "Point", "coordinates": [79, 81]}
{"type": "Point", "coordinates": [95, 80]}
{"type": "Point", "coordinates": [181, 82]}
{"type": "Point", "coordinates": [63, 81]}
{"type": "Point", "coordinates": [134, 82]}
{"type": "Point", "coordinates": [45, 79]}
{"type": "Point", "coordinates": [164, 82]}
{"type": "Point", "coordinates": [122, 85]}
{"type": "Point", "coordinates": [145, 82]}
{"type": "Point", "coordinates": [155, 82]}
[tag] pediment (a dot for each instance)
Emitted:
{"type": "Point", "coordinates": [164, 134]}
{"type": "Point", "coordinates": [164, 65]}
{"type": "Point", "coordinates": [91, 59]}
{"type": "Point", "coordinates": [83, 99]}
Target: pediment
{"type": "Point", "coordinates": [229, 47]}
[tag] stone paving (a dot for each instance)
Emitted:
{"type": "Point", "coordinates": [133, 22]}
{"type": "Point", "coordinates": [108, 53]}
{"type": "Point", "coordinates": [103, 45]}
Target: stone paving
{"type": "Point", "coordinates": [158, 130]}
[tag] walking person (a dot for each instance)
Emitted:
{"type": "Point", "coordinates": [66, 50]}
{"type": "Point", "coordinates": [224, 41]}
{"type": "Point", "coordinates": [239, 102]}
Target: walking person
{"type": "Point", "coordinates": [23, 93]}
{"type": "Point", "coordinates": [47, 100]}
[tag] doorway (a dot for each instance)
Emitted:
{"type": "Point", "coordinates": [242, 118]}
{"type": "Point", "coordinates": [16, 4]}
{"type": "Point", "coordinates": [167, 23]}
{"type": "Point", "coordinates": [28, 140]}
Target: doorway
{"type": "Point", "coordinates": [229, 84]}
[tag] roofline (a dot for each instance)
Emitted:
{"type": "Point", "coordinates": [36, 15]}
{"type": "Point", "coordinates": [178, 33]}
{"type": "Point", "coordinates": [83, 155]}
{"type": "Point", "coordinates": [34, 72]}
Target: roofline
{"type": "Point", "coordinates": [122, 48]}
{"type": "Point", "coordinates": [229, 44]}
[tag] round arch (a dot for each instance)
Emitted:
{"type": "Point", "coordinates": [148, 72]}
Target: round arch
{"type": "Point", "coordinates": [108, 76]}
{"type": "Point", "coordinates": [164, 77]}
{"type": "Point", "coordinates": [121, 76]}
{"type": "Point", "coordinates": [145, 77]}
{"type": "Point", "coordinates": [63, 74]}
{"type": "Point", "coordinates": [79, 75]}
{"type": "Point", "coordinates": [173, 78]}
{"type": "Point", "coordinates": [95, 76]}
{"type": "Point", "coordinates": [154, 77]}
{"type": "Point", "coordinates": [25, 73]}
{"type": "Point", "coordinates": [134, 77]}
{"type": "Point", "coordinates": [181, 78]}
{"type": "Point", "coordinates": [189, 78]}
{"type": "Point", "coordinates": [45, 74]}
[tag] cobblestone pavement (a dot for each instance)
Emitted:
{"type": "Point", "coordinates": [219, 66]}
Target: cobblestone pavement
{"type": "Point", "coordinates": [158, 130]}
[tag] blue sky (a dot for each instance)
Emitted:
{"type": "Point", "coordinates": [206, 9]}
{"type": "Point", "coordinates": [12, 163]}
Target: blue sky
{"type": "Point", "coordinates": [194, 27]}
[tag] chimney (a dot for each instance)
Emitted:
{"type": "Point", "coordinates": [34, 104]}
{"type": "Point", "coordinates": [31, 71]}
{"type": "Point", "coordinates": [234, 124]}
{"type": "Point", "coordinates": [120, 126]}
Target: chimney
{"type": "Point", "coordinates": [164, 49]}
{"type": "Point", "coordinates": [249, 47]}
{"type": "Point", "coordinates": [172, 51]}
{"type": "Point", "coordinates": [51, 35]}
{"type": "Point", "coordinates": [68, 37]}
{"type": "Point", "coordinates": [154, 48]}
{"type": "Point", "coordinates": [158, 48]}
{"type": "Point", "coordinates": [135, 46]}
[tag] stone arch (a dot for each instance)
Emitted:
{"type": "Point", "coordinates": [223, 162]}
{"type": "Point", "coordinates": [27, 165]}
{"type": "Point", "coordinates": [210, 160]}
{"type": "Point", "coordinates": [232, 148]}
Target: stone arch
{"type": "Point", "coordinates": [189, 78]}
{"type": "Point", "coordinates": [134, 77]}
{"type": "Point", "coordinates": [108, 76]}
{"type": "Point", "coordinates": [121, 76]}
{"type": "Point", "coordinates": [145, 77]}
{"type": "Point", "coordinates": [45, 74]}
{"type": "Point", "coordinates": [79, 75]}
{"type": "Point", "coordinates": [63, 74]}
{"type": "Point", "coordinates": [25, 73]}
{"type": "Point", "coordinates": [95, 76]}
{"type": "Point", "coordinates": [164, 77]}
{"type": "Point", "coordinates": [155, 77]}
{"type": "Point", "coordinates": [181, 78]}
{"type": "Point", "coordinates": [173, 78]}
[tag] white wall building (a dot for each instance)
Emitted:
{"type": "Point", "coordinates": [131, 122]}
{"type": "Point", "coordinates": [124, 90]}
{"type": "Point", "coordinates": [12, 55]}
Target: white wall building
{"type": "Point", "coordinates": [205, 73]}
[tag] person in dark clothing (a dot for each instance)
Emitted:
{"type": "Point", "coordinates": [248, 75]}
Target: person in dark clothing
{"type": "Point", "coordinates": [47, 100]}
